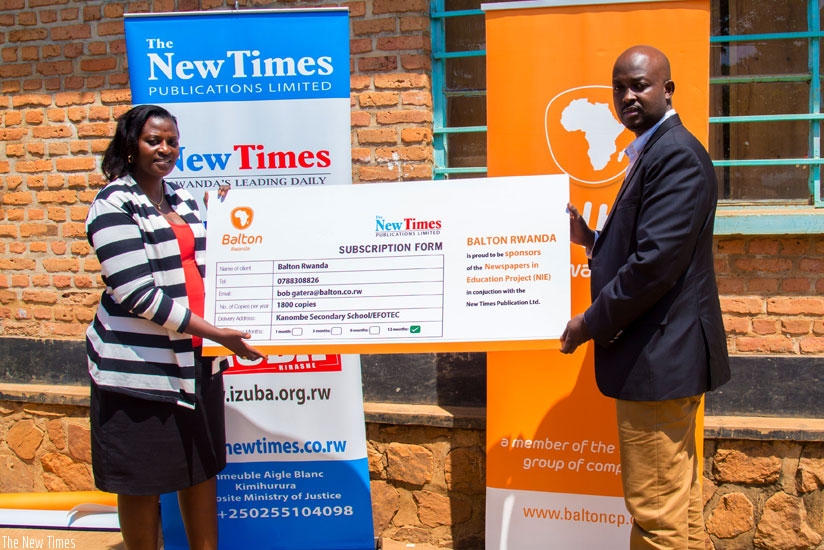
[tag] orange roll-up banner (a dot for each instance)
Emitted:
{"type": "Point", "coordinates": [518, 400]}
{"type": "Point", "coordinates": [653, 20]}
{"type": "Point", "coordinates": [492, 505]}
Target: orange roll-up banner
{"type": "Point", "coordinates": [553, 470]}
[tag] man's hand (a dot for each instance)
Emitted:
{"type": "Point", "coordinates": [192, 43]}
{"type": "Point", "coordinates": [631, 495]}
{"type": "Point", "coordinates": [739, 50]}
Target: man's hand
{"type": "Point", "coordinates": [579, 231]}
{"type": "Point", "coordinates": [575, 334]}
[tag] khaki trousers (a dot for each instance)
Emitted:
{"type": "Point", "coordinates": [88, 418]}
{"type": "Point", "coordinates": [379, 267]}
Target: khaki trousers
{"type": "Point", "coordinates": [659, 468]}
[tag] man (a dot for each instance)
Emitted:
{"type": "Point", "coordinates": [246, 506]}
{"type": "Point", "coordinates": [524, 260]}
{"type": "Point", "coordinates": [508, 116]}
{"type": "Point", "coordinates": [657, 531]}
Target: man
{"type": "Point", "coordinates": [655, 316]}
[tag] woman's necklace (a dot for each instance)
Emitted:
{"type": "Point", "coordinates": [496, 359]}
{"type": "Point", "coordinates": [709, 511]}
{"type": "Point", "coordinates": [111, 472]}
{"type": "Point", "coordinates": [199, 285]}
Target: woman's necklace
{"type": "Point", "coordinates": [158, 203]}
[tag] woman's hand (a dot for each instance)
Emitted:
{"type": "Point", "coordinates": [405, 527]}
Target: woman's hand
{"type": "Point", "coordinates": [235, 341]}
{"type": "Point", "coordinates": [222, 191]}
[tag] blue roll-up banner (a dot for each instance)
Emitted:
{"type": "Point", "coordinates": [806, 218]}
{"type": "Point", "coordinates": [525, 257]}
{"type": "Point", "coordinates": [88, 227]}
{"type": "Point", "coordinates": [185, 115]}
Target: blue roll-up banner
{"type": "Point", "coordinates": [262, 97]}
{"type": "Point", "coordinates": [262, 100]}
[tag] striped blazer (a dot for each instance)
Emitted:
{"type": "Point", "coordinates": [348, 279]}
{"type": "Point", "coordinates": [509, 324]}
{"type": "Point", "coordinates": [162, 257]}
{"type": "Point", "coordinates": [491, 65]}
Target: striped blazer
{"type": "Point", "coordinates": [135, 344]}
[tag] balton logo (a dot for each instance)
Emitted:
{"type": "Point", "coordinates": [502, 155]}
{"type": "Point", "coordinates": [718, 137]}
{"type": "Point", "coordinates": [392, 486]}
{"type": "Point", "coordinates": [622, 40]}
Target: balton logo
{"type": "Point", "coordinates": [242, 217]}
{"type": "Point", "coordinates": [584, 137]}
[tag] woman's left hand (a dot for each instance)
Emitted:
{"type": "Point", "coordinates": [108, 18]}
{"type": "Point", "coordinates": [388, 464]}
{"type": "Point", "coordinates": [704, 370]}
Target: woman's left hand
{"type": "Point", "coordinates": [222, 191]}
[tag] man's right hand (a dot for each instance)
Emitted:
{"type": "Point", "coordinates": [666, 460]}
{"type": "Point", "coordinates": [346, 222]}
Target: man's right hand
{"type": "Point", "coordinates": [575, 334]}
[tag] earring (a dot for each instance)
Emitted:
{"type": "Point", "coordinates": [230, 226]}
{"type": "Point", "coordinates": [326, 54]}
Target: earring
{"type": "Point", "coordinates": [130, 160]}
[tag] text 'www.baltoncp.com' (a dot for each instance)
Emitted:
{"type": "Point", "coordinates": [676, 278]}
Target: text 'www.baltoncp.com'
{"type": "Point", "coordinates": [581, 515]}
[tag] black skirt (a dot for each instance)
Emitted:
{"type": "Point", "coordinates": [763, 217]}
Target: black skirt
{"type": "Point", "coordinates": [145, 447]}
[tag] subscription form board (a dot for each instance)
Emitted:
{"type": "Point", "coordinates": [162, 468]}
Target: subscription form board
{"type": "Point", "coordinates": [434, 266]}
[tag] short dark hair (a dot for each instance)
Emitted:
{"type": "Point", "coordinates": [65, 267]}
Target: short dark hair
{"type": "Point", "coordinates": [124, 143]}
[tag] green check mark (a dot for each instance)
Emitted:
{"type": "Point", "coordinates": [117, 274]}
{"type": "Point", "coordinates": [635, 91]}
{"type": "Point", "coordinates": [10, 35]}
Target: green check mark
{"type": "Point", "coordinates": [415, 329]}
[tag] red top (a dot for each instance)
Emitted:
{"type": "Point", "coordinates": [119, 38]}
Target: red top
{"type": "Point", "coordinates": [194, 282]}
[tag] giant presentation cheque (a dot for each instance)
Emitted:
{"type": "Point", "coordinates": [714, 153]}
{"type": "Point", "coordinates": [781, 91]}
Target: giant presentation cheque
{"type": "Point", "coordinates": [463, 265]}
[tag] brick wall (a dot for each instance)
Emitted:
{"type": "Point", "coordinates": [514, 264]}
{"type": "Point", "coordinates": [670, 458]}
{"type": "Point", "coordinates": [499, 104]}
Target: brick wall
{"type": "Point", "coordinates": [428, 482]}
{"type": "Point", "coordinates": [772, 293]}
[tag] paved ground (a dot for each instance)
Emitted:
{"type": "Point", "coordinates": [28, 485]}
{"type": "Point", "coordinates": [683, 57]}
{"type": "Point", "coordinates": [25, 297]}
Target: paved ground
{"type": "Point", "coordinates": [56, 539]}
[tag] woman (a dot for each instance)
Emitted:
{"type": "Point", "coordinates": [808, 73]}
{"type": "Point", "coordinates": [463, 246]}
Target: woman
{"type": "Point", "coordinates": [156, 402]}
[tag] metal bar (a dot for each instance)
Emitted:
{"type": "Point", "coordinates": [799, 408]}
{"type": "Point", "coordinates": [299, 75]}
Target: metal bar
{"type": "Point", "coordinates": [814, 60]}
{"type": "Point", "coordinates": [453, 55]}
{"type": "Point", "coordinates": [440, 14]}
{"type": "Point", "coordinates": [439, 141]}
{"type": "Point", "coordinates": [464, 93]}
{"type": "Point", "coordinates": [460, 130]}
{"type": "Point", "coordinates": [765, 36]}
{"type": "Point", "coordinates": [761, 78]}
{"type": "Point", "coordinates": [765, 118]}
{"type": "Point", "coordinates": [725, 130]}
{"type": "Point", "coordinates": [769, 162]}
{"type": "Point", "coordinates": [461, 170]}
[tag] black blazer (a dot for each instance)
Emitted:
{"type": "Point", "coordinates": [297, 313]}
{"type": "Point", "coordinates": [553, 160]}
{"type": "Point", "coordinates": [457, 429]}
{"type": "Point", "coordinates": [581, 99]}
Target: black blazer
{"type": "Point", "coordinates": [655, 316]}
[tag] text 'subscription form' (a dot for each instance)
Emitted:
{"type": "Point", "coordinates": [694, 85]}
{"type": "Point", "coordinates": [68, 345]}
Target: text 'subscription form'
{"type": "Point", "coordinates": [470, 265]}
